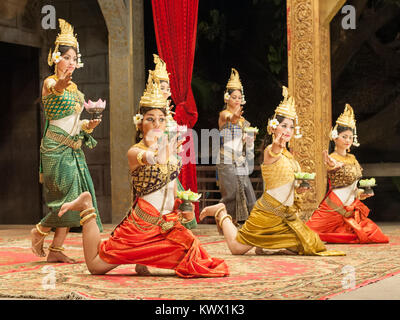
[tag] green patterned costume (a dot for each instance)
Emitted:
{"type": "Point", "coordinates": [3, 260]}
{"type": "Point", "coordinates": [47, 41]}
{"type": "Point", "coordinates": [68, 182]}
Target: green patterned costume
{"type": "Point", "coordinates": [65, 172]}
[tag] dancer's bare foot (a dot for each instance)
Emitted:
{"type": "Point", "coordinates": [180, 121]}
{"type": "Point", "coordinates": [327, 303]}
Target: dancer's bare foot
{"type": "Point", "coordinates": [84, 201]}
{"type": "Point", "coordinates": [59, 257]}
{"type": "Point", "coordinates": [142, 270]}
{"type": "Point", "coordinates": [264, 252]}
{"type": "Point", "coordinates": [210, 210]}
{"type": "Point", "coordinates": [37, 243]}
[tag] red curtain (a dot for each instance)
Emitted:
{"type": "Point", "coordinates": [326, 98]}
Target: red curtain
{"type": "Point", "coordinates": [175, 24]}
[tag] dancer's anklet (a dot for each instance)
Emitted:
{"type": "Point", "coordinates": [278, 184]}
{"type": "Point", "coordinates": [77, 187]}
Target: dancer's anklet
{"type": "Point", "coordinates": [56, 249]}
{"type": "Point", "coordinates": [87, 217]}
{"type": "Point", "coordinates": [87, 211]}
{"type": "Point", "coordinates": [43, 234]}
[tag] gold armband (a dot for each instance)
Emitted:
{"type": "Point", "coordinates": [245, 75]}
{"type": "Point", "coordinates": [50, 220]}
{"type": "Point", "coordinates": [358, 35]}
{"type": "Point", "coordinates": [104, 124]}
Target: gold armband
{"type": "Point", "coordinates": [139, 158]}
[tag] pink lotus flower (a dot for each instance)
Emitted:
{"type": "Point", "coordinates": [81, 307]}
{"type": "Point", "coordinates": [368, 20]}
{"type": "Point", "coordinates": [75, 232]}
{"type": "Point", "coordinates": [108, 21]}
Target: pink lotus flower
{"type": "Point", "coordinates": [97, 106]}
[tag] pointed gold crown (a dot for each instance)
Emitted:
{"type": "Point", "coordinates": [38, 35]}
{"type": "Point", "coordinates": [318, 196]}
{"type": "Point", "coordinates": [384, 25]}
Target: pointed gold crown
{"type": "Point", "coordinates": [152, 96]}
{"type": "Point", "coordinates": [287, 107]}
{"type": "Point", "coordinates": [347, 118]}
{"type": "Point", "coordinates": [160, 71]}
{"type": "Point", "coordinates": [65, 38]}
{"type": "Point", "coordinates": [234, 81]}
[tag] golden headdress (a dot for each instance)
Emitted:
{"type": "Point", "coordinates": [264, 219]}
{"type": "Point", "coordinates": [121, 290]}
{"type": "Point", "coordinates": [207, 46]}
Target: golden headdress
{"type": "Point", "coordinates": [160, 71]}
{"type": "Point", "coordinates": [346, 119]}
{"type": "Point", "coordinates": [286, 109]}
{"type": "Point", "coordinates": [65, 38]}
{"type": "Point", "coordinates": [152, 96]}
{"type": "Point", "coordinates": [234, 83]}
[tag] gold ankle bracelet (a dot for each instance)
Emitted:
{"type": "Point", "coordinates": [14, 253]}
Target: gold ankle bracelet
{"type": "Point", "coordinates": [56, 249]}
{"type": "Point", "coordinates": [43, 234]}
{"type": "Point", "coordinates": [87, 211]}
{"type": "Point", "coordinates": [87, 217]}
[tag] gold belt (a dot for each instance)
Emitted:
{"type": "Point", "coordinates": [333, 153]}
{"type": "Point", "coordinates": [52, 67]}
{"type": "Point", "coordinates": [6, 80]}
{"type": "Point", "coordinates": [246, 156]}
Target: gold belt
{"type": "Point", "coordinates": [337, 209]}
{"type": "Point", "coordinates": [155, 221]}
{"type": "Point", "coordinates": [281, 211]}
{"type": "Point", "coordinates": [64, 140]}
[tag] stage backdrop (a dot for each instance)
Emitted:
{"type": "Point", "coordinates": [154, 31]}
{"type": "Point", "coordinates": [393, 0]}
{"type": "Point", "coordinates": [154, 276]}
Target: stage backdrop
{"type": "Point", "coordinates": [175, 24]}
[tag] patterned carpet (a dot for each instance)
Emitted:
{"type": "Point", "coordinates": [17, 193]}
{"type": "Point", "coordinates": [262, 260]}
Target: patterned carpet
{"type": "Point", "coordinates": [22, 275]}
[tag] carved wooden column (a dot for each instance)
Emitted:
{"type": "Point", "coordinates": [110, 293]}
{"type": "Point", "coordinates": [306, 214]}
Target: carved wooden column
{"type": "Point", "coordinates": [127, 78]}
{"type": "Point", "coordinates": [309, 74]}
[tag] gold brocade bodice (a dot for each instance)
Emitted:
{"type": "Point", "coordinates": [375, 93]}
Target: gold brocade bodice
{"type": "Point", "coordinates": [280, 172]}
{"type": "Point", "coordinates": [149, 178]}
{"type": "Point", "coordinates": [347, 174]}
{"type": "Point", "coordinates": [58, 106]}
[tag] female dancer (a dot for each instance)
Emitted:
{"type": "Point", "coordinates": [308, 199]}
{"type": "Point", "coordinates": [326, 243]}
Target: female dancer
{"type": "Point", "coordinates": [273, 223]}
{"type": "Point", "coordinates": [64, 171]}
{"type": "Point", "coordinates": [233, 171]}
{"type": "Point", "coordinates": [342, 217]}
{"type": "Point", "coordinates": [152, 233]}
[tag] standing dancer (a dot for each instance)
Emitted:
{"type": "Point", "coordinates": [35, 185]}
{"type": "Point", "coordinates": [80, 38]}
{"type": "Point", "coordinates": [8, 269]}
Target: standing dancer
{"type": "Point", "coordinates": [273, 223]}
{"type": "Point", "coordinates": [342, 217]}
{"type": "Point", "coordinates": [152, 233]}
{"type": "Point", "coordinates": [64, 172]}
{"type": "Point", "coordinates": [232, 165]}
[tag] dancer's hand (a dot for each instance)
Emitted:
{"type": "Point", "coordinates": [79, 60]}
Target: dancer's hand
{"type": "Point", "coordinates": [237, 114]}
{"type": "Point", "coordinates": [188, 215]}
{"type": "Point", "coordinates": [166, 149]}
{"type": "Point", "coordinates": [151, 138]}
{"type": "Point", "coordinates": [279, 141]}
{"type": "Point", "coordinates": [249, 138]}
{"type": "Point", "coordinates": [64, 80]}
{"type": "Point", "coordinates": [330, 162]}
{"type": "Point", "coordinates": [363, 195]}
{"type": "Point", "coordinates": [93, 123]}
{"type": "Point", "coordinates": [300, 190]}
{"type": "Point", "coordinates": [162, 150]}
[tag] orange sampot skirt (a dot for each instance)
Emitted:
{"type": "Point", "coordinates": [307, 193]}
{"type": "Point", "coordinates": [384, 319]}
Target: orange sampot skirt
{"type": "Point", "coordinates": [335, 228]}
{"type": "Point", "coordinates": [135, 241]}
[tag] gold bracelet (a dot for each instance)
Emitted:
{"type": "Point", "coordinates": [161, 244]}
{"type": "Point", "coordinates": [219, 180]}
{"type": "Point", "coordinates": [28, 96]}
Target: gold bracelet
{"type": "Point", "coordinates": [223, 218]}
{"type": "Point", "coordinates": [87, 217]}
{"type": "Point", "coordinates": [85, 126]}
{"type": "Point", "coordinates": [273, 154]}
{"type": "Point", "coordinates": [87, 211]}
{"type": "Point", "coordinates": [218, 211]}
{"type": "Point", "coordinates": [139, 158]}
